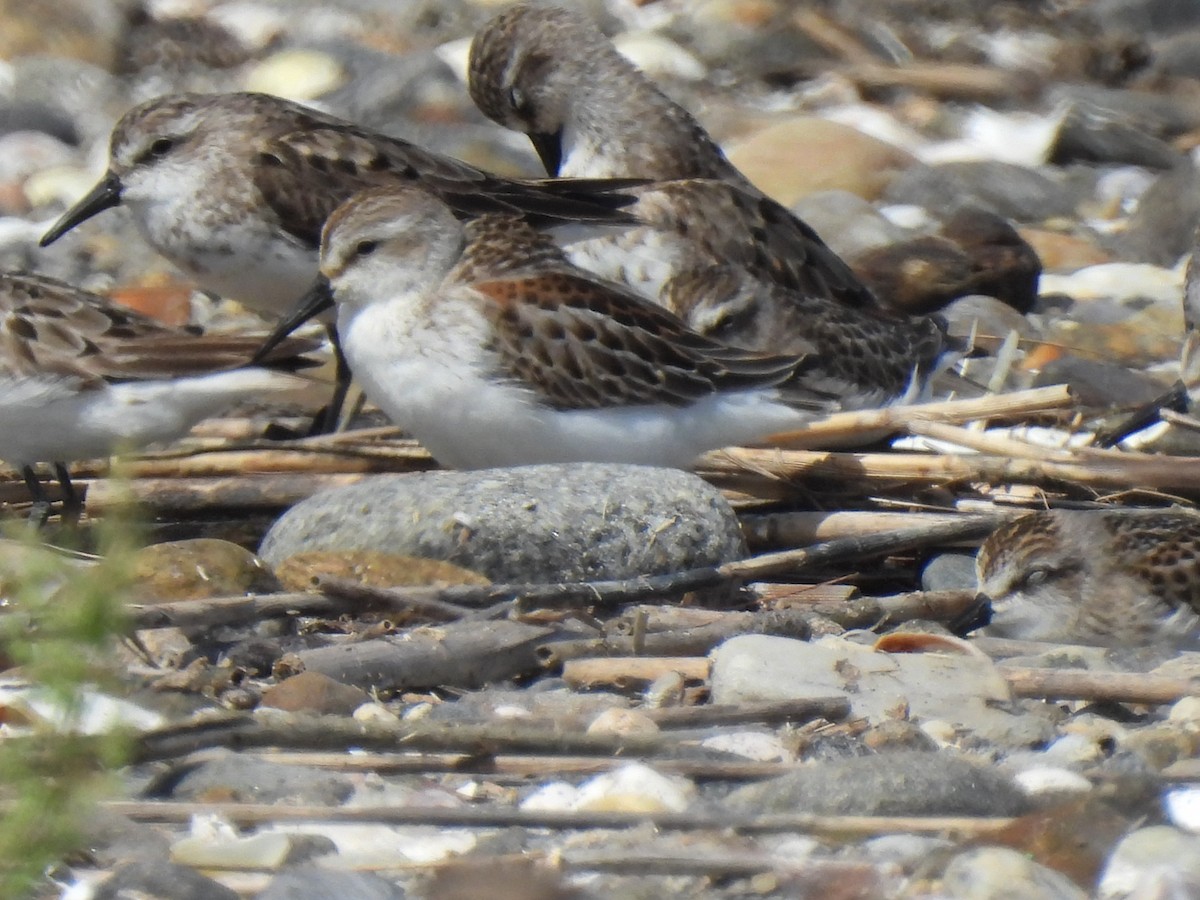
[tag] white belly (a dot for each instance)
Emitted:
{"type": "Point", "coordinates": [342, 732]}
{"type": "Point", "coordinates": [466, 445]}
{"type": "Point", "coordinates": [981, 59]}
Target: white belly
{"type": "Point", "coordinates": [47, 420]}
{"type": "Point", "coordinates": [247, 261]}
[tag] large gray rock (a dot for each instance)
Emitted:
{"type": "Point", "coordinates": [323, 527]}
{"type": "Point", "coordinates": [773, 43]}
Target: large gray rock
{"type": "Point", "coordinates": [250, 780]}
{"type": "Point", "coordinates": [888, 784]}
{"type": "Point", "coordinates": [575, 522]}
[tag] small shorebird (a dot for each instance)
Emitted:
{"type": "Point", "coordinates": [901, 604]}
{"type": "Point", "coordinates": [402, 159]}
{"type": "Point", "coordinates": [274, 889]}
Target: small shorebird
{"type": "Point", "coordinates": [234, 188]}
{"type": "Point", "coordinates": [81, 377]}
{"type": "Point", "coordinates": [492, 349]}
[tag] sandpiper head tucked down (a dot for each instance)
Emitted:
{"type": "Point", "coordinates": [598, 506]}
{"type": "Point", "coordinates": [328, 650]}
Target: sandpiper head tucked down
{"type": "Point", "coordinates": [493, 350]}
{"type": "Point", "coordinates": [590, 112]}
{"type": "Point", "coordinates": [1107, 577]}
{"type": "Point", "coordinates": [552, 74]}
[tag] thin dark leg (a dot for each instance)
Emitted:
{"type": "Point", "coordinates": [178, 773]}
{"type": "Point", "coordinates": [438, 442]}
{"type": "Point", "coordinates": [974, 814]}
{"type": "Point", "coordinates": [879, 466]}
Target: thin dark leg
{"type": "Point", "coordinates": [326, 420]}
{"type": "Point", "coordinates": [39, 513]}
{"type": "Point", "coordinates": [72, 503]}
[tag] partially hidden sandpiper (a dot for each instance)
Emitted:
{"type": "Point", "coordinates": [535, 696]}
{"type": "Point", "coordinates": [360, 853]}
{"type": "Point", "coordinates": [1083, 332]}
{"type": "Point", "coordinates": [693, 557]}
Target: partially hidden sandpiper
{"type": "Point", "coordinates": [1113, 578]}
{"type": "Point", "coordinates": [81, 378]}
{"type": "Point", "coordinates": [734, 264]}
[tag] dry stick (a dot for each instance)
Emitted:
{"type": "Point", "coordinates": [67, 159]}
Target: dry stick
{"type": "Point", "coordinates": [212, 612]}
{"type": "Point", "coordinates": [830, 35]}
{"type": "Point", "coordinates": [967, 527]}
{"type": "Point", "coordinates": [990, 443]}
{"type": "Point", "coordinates": [787, 594]}
{"type": "Point", "coordinates": [840, 428]}
{"type": "Point", "coordinates": [860, 612]}
{"type": "Point", "coordinates": [246, 492]}
{"type": "Point", "coordinates": [362, 595]}
{"type": "Point", "coordinates": [948, 81]}
{"type": "Point", "coordinates": [339, 733]}
{"type": "Point", "coordinates": [1120, 687]}
{"type": "Point", "coordinates": [338, 596]}
{"type": "Point", "coordinates": [683, 641]}
{"type": "Point", "coordinates": [1094, 469]}
{"type": "Point", "coordinates": [840, 826]}
{"type": "Point", "coordinates": [524, 766]}
{"type": "Point", "coordinates": [707, 863]}
{"type": "Point", "coordinates": [271, 459]}
{"type": "Point", "coordinates": [799, 529]}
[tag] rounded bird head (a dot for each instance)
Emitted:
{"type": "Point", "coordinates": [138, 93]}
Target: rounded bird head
{"type": "Point", "coordinates": [1033, 577]}
{"type": "Point", "coordinates": [524, 67]}
{"type": "Point", "coordinates": [163, 155]}
{"type": "Point", "coordinates": [381, 243]}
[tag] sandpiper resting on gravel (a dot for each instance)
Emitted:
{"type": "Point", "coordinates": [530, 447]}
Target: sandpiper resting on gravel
{"type": "Point", "coordinates": [1106, 577]}
{"type": "Point", "coordinates": [491, 348]}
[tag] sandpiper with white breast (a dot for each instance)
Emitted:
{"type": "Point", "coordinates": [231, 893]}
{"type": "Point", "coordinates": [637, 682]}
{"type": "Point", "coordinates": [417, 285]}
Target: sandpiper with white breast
{"type": "Point", "coordinates": [234, 188]}
{"type": "Point", "coordinates": [486, 344]}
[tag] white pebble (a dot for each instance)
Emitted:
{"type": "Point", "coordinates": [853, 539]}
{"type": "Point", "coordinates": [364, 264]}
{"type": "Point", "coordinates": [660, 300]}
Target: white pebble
{"type": "Point", "coordinates": [755, 745]}
{"type": "Point", "coordinates": [1183, 808]}
{"type": "Point", "coordinates": [1051, 780]}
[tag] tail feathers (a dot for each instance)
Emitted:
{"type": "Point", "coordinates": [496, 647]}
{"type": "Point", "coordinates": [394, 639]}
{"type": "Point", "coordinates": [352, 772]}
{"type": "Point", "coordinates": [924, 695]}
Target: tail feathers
{"type": "Point", "coordinates": [196, 355]}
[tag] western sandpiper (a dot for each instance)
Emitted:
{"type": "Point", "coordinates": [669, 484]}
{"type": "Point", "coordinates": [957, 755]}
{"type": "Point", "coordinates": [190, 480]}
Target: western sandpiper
{"type": "Point", "coordinates": [484, 342]}
{"type": "Point", "coordinates": [234, 189]}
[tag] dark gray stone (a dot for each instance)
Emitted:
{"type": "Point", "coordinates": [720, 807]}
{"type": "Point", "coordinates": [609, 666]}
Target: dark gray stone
{"type": "Point", "coordinates": [1092, 135]}
{"type": "Point", "coordinates": [1162, 114]}
{"type": "Point", "coordinates": [1011, 191]}
{"type": "Point", "coordinates": [251, 780]}
{"type": "Point", "coordinates": [311, 883]}
{"type": "Point", "coordinates": [903, 783]}
{"type": "Point", "coordinates": [1100, 384]}
{"type": "Point", "coordinates": [161, 880]}
{"type": "Point", "coordinates": [1163, 226]}
{"type": "Point", "coordinates": [576, 522]}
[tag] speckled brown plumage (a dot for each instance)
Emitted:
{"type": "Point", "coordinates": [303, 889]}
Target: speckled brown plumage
{"type": "Point", "coordinates": [492, 349]}
{"type": "Point", "coordinates": [552, 74]}
{"type": "Point", "coordinates": [49, 327]}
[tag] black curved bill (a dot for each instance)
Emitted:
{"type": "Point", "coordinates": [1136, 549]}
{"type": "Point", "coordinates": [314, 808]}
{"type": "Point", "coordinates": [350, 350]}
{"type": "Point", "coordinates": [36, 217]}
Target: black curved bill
{"type": "Point", "coordinates": [318, 299]}
{"type": "Point", "coordinates": [549, 150]}
{"type": "Point", "coordinates": [104, 195]}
